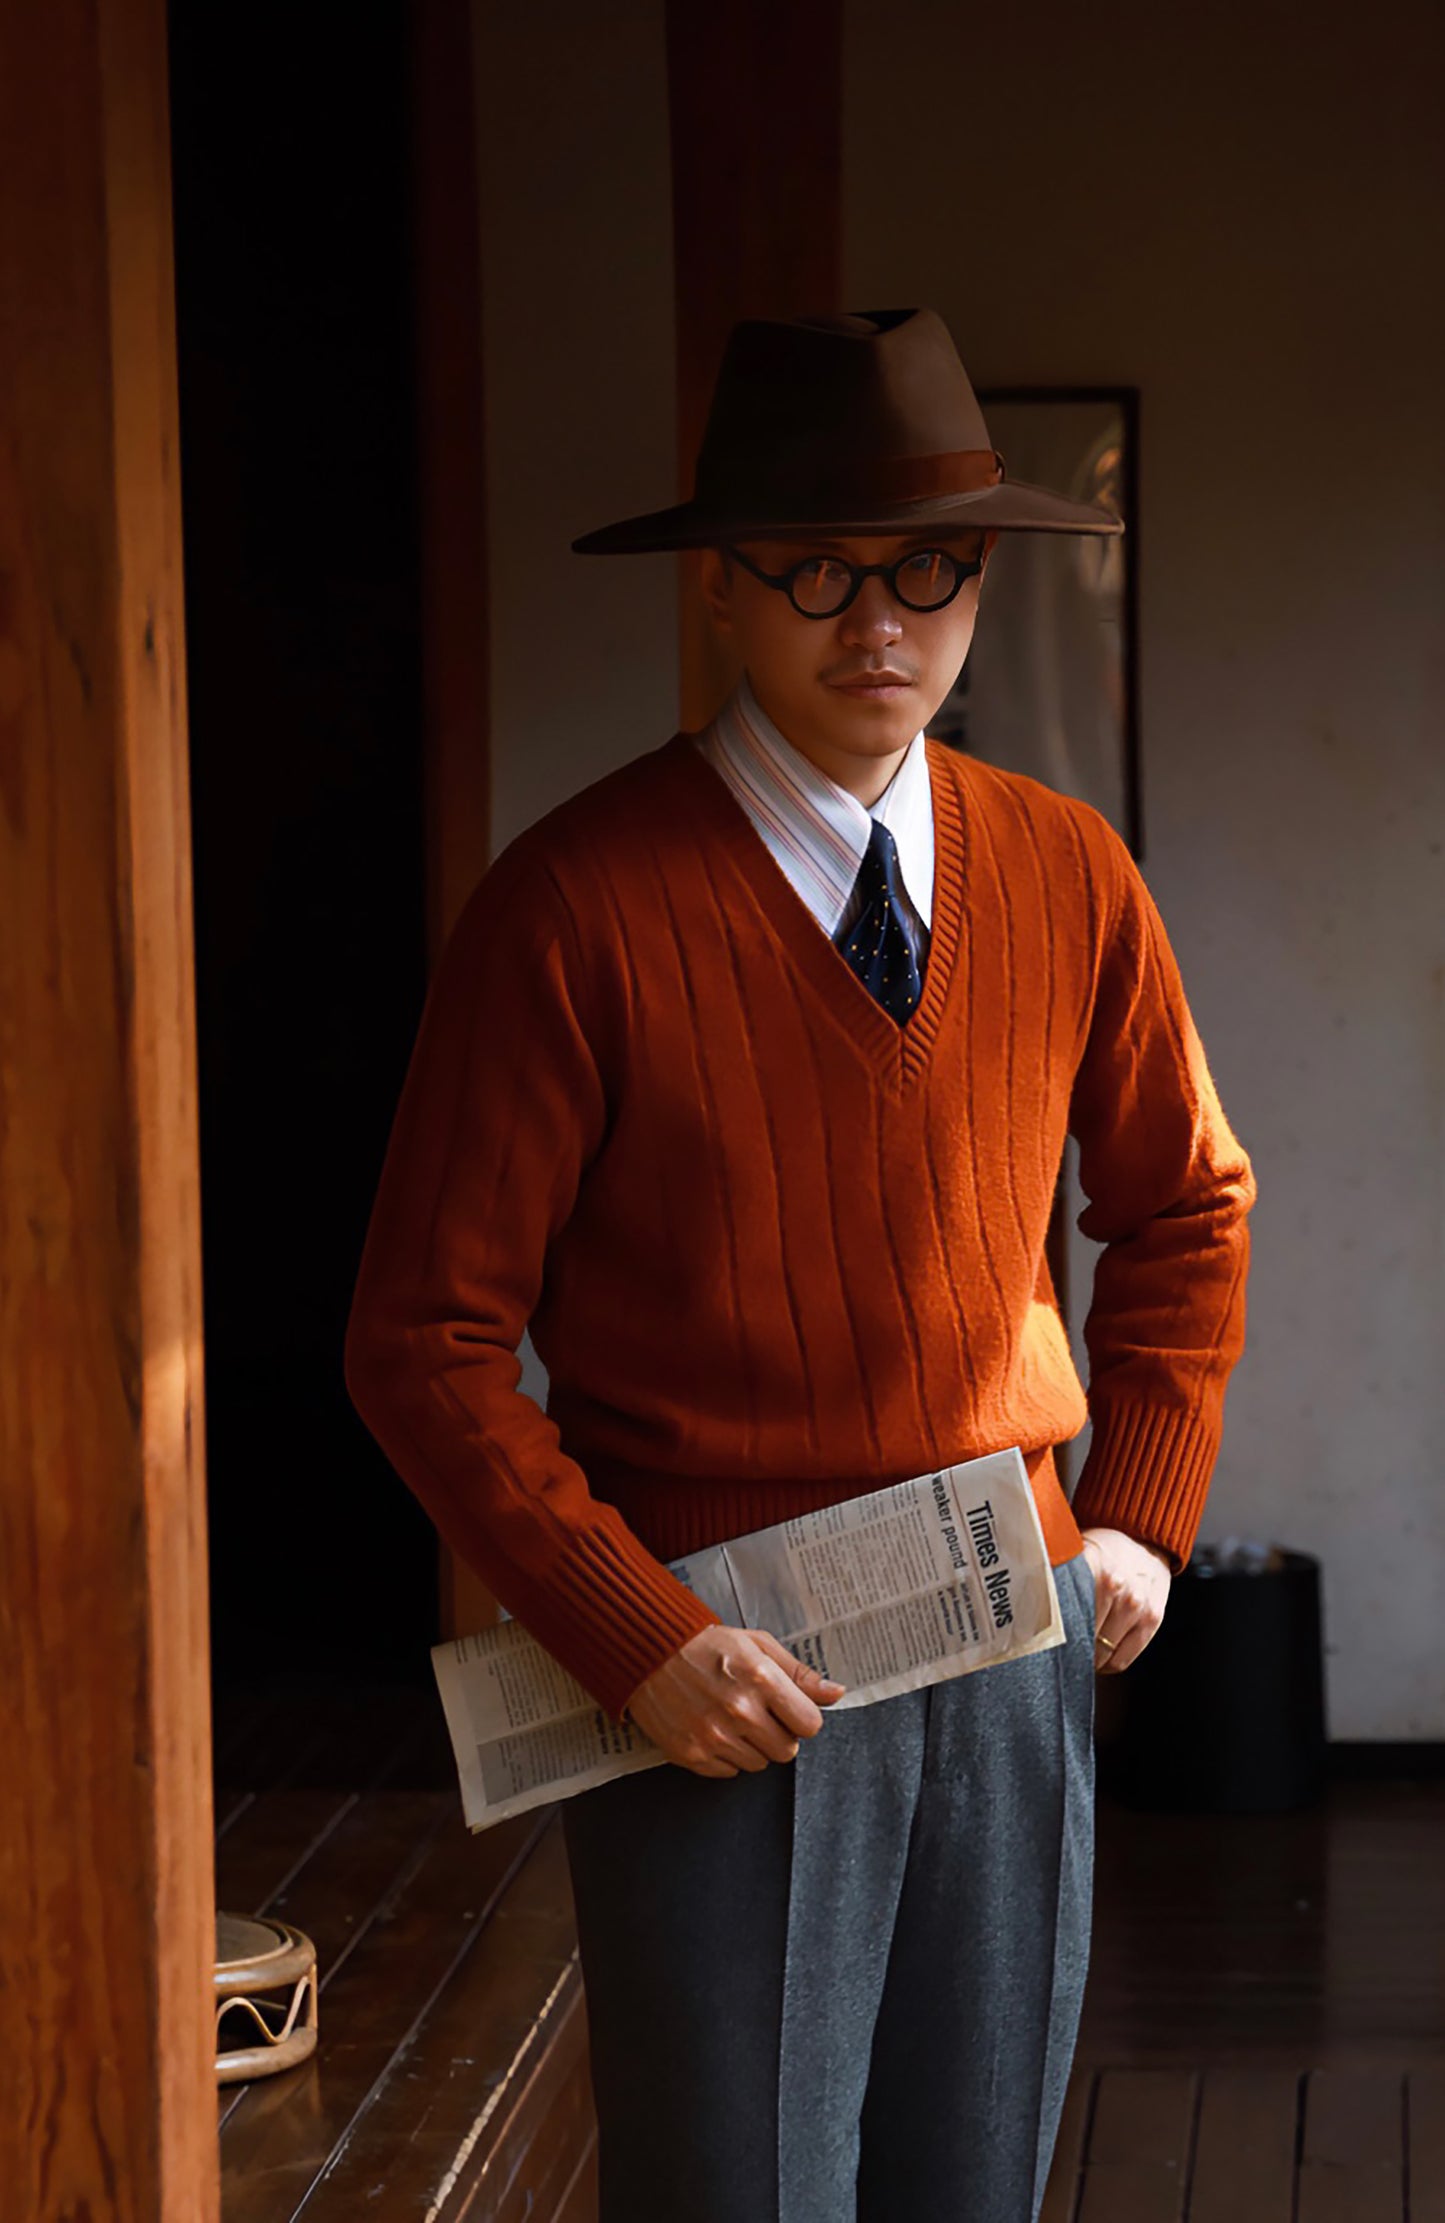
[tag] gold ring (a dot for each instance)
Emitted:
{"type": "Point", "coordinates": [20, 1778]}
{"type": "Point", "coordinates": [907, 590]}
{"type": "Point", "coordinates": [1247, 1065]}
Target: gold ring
{"type": "Point", "coordinates": [1102, 1639]}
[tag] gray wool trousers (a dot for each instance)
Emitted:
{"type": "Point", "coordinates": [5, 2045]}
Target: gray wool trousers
{"type": "Point", "coordinates": [846, 1988]}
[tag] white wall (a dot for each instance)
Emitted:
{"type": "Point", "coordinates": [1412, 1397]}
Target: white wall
{"type": "Point", "coordinates": [579, 369]}
{"type": "Point", "coordinates": [1244, 218]}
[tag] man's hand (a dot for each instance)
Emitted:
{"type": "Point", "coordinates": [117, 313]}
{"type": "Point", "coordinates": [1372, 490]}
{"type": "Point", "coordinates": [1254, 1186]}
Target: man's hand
{"type": "Point", "coordinates": [1131, 1587]}
{"type": "Point", "coordinates": [731, 1699]}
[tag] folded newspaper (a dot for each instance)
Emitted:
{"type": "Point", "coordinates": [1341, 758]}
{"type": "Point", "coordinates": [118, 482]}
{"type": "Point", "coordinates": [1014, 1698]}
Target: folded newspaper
{"type": "Point", "coordinates": [909, 1585]}
{"type": "Point", "coordinates": [885, 1592]}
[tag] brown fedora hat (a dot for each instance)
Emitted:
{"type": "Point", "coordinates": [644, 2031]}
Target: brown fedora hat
{"type": "Point", "coordinates": [862, 423]}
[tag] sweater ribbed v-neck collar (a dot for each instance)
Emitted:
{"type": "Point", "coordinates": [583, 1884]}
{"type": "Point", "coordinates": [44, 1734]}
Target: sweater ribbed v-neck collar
{"type": "Point", "coordinates": [898, 1053]}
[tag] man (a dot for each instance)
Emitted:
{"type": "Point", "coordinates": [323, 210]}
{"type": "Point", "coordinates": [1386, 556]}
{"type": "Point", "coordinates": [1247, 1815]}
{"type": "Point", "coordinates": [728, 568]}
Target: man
{"type": "Point", "coordinates": [745, 1078]}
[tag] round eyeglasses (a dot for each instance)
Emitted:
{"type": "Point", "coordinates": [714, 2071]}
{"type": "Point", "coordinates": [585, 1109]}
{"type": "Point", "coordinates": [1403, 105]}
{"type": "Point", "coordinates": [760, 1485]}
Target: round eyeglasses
{"type": "Point", "coordinates": [822, 586]}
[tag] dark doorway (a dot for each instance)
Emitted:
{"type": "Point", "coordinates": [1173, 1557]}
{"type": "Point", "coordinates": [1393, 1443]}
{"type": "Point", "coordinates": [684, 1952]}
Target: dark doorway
{"type": "Point", "coordinates": [293, 259]}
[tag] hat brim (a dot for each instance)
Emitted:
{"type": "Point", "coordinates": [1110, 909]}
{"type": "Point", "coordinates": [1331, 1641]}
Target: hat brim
{"type": "Point", "coordinates": [1011, 506]}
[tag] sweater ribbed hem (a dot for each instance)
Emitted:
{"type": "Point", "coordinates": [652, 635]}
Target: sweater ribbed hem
{"type": "Point", "coordinates": [677, 1514]}
{"type": "Point", "coordinates": [1148, 1473]}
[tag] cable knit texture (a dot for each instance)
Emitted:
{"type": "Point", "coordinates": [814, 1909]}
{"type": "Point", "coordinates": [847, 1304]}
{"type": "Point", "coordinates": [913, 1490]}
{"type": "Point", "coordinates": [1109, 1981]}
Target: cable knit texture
{"type": "Point", "coordinates": [776, 1250]}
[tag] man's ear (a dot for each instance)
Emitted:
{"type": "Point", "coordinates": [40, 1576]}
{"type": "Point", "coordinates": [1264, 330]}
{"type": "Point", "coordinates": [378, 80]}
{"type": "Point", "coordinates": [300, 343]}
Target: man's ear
{"type": "Point", "coordinates": [714, 578]}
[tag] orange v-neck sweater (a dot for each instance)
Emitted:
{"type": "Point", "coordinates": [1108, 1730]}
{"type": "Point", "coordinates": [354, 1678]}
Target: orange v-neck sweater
{"type": "Point", "coordinates": [774, 1249]}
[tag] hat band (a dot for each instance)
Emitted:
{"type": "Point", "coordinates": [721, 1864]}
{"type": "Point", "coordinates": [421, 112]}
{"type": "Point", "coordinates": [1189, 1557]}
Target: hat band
{"type": "Point", "coordinates": [865, 482]}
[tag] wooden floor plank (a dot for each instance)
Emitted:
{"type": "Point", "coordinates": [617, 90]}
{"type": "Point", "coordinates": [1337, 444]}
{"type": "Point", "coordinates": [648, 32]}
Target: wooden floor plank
{"type": "Point", "coordinates": [350, 1875]}
{"type": "Point", "coordinates": [1061, 2193]}
{"type": "Point", "coordinates": [1138, 2151]}
{"type": "Point", "coordinates": [277, 1831]}
{"type": "Point", "coordinates": [582, 2198]}
{"type": "Point", "coordinates": [243, 1733]}
{"type": "Point", "coordinates": [1244, 2155]}
{"type": "Point", "coordinates": [1280, 1939]}
{"type": "Point", "coordinates": [1425, 2111]}
{"type": "Point", "coordinates": [437, 2116]}
{"type": "Point", "coordinates": [277, 2142]}
{"type": "Point", "coordinates": [1352, 2161]}
{"type": "Point", "coordinates": [1131, 2192]}
{"type": "Point", "coordinates": [237, 1713]}
{"type": "Point", "coordinates": [1348, 2196]}
{"type": "Point", "coordinates": [349, 1878]}
{"type": "Point", "coordinates": [1143, 2116]}
{"type": "Point", "coordinates": [1353, 2119]}
{"type": "Point", "coordinates": [530, 2170]}
{"type": "Point", "coordinates": [329, 1876]}
{"type": "Point", "coordinates": [329, 1736]}
{"type": "Point", "coordinates": [230, 1804]}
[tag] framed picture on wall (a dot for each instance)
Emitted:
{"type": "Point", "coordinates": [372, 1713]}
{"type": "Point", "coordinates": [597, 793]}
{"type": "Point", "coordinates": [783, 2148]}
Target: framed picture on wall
{"type": "Point", "coordinates": [1051, 684]}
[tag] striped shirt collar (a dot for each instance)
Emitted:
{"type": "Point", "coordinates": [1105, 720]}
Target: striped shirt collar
{"type": "Point", "coordinates": [816, 830]}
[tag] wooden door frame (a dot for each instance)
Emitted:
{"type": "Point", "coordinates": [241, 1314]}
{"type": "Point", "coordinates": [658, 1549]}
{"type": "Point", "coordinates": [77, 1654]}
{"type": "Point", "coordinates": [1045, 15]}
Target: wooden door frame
{"type": "Point", "coordinates": [106, 1895]}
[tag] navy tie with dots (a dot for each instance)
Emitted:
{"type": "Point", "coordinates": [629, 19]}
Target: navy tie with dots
{"type": "Point", "coordinates": [877, 944]}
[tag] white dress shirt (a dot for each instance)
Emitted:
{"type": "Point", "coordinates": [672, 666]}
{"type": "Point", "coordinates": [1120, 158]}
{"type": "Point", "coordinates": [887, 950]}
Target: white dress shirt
{"type": "Point", "coordinates": [816, 831]}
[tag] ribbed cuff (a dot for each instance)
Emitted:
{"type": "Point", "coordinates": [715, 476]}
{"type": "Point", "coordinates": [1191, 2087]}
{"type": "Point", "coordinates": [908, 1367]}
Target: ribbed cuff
{"type": "Point", "coordinates": [1148, 1473]}
{"type": "Point", "coordinates": [617, 1614]}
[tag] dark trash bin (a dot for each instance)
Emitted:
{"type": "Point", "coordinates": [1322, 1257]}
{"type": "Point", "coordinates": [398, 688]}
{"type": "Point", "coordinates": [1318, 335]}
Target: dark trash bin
{"type": "Point", "coordinates": [1223, 1712]}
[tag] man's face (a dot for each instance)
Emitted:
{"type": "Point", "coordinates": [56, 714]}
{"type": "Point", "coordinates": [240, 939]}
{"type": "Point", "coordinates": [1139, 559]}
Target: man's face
{"type": "Point", "coordinates": [812, 675]}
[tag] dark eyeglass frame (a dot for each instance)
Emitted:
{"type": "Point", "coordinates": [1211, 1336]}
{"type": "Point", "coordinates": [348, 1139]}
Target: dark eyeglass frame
{"type": "Point", "coordinates": [858, 572]}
